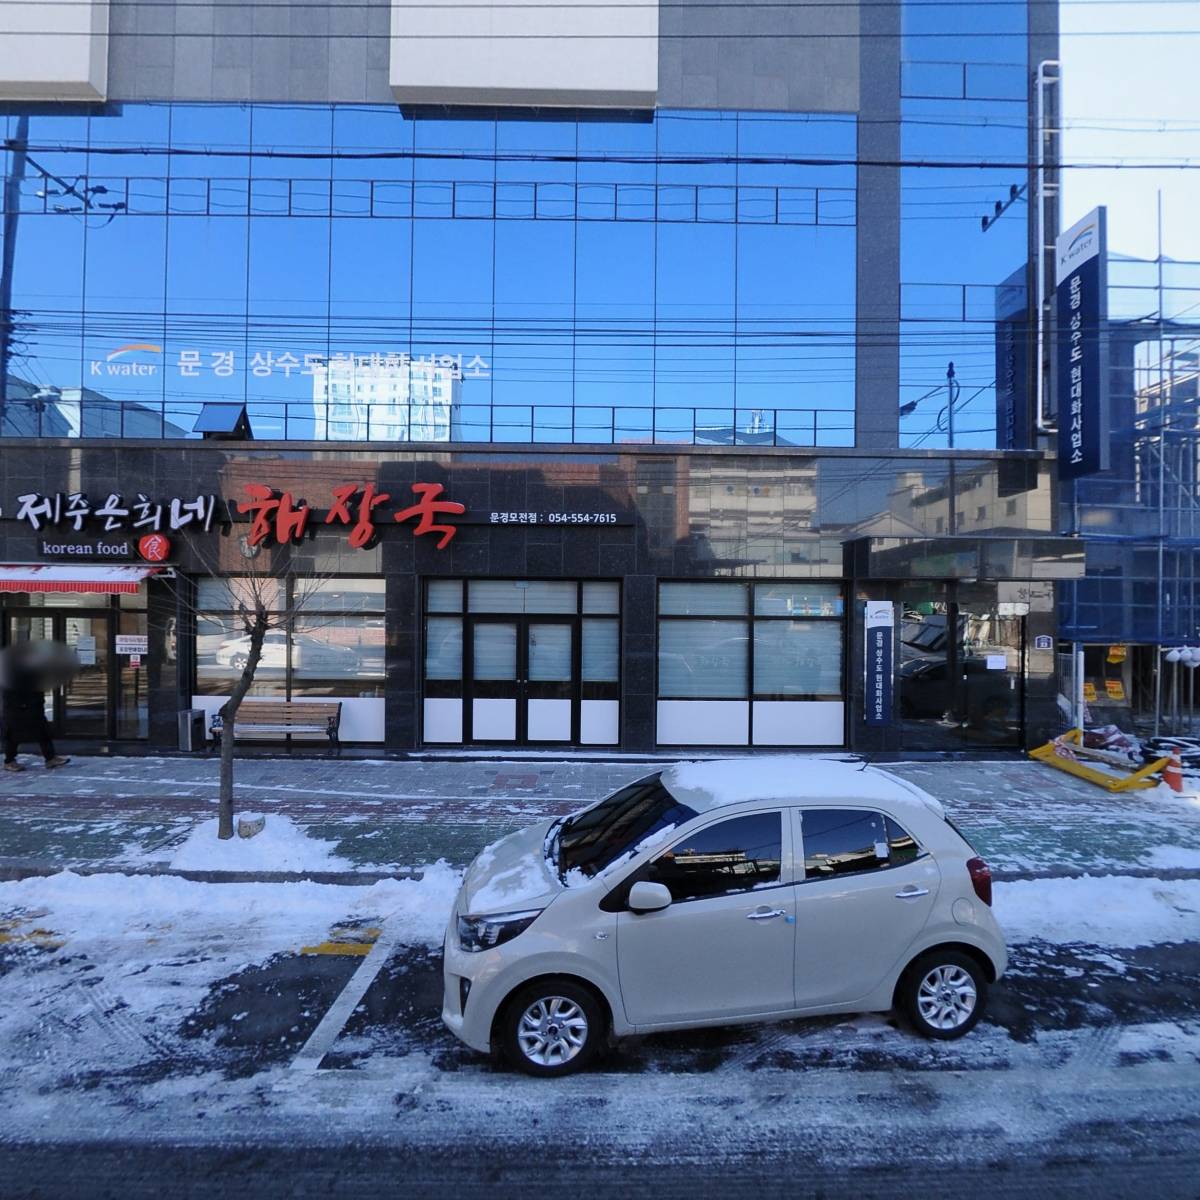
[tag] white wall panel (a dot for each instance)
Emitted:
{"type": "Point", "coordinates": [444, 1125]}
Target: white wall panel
{"type": "Point", "coordinates": [549, 721]}
{"type": "Point", "coordinates": [799, 723]}
{"type": "Point", "coordinates": [53, 51]}
{"type": "Point", "coordinates": [443, 720]}
{"type": "Point", "coordinates": [600, 722]}
{"type": "Point", "coordinates": [703, 722]}
{"type": "Point", "coordinates": [494, 720]}
{"type": "Point", "coordinates": [554, 52]}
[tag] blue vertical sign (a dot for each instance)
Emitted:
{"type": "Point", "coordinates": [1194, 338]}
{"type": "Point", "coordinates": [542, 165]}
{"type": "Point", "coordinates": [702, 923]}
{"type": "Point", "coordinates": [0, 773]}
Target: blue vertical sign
{"type": "Point", "coordinates": [1081, 282]}
{"type": "Point", "coordinates": [879, 622]}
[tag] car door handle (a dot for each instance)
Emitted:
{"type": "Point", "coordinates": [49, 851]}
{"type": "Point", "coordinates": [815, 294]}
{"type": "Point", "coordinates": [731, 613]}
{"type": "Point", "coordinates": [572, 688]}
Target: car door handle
{"type": "Point", "coordinates": [764, 914]}
{"type": "Point", "coordinates": [912, 893]}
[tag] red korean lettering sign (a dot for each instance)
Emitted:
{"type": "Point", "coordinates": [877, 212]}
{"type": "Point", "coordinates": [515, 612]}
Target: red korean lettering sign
{"type": "Point", "coordinates": [278, 515]}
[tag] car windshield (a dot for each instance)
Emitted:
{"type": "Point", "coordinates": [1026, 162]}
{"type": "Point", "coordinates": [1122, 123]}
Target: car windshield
{"type": "Point", "coordinates": [597, 838]}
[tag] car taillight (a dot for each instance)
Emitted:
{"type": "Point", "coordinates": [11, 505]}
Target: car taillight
{"type": "Point", "coordinates": [981, 879]}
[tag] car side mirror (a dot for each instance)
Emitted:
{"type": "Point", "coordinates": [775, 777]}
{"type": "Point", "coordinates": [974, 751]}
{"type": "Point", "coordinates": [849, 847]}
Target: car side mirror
{"type": "Point", "coordinates": [648, 897]}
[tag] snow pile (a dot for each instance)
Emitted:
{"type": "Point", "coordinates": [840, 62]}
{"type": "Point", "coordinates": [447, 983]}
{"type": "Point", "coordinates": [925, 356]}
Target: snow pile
{"type": "Point", "coordinates": [114, 906]}
{"type": "Point", "coordinates": [521, 884]}
{"type": "Point", "coordinates": [1170, 857]}
{"type": "Point", "coordinates": [1114, 910]}
{"type": "Point", "coordinates": [281, 846]}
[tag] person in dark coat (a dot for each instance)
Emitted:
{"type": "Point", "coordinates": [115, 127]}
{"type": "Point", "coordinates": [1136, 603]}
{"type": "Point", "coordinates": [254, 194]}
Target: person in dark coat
{"type": "Point", "coordinates": [23, 711]}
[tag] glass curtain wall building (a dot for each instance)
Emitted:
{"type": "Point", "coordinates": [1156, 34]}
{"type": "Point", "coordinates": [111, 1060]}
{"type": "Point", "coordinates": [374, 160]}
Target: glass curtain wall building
{"type": "Point", "coordinates": [515, 278]}
{"type": "Point", "coordinates": [608, 376]}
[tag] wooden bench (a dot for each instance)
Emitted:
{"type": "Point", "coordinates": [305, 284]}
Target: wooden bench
{"type": "Point", "coordinates": [277, 720]}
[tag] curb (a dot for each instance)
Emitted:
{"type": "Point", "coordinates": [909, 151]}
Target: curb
{"type": "Point", "coordinates": [342, 878]}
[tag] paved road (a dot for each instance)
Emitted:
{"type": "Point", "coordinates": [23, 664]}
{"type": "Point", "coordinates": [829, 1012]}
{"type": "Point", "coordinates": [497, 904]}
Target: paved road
{"type": "Point", "coordinates": [1088, 1168]}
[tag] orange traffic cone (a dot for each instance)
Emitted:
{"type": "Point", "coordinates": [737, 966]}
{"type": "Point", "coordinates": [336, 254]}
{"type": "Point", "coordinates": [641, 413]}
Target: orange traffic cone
{"type": "Point", "coordinates": [1172, 773]}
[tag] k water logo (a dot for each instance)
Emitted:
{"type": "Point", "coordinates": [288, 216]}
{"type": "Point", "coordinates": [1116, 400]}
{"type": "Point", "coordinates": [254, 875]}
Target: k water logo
{"type": "Point", "coordinates": [124, 361]}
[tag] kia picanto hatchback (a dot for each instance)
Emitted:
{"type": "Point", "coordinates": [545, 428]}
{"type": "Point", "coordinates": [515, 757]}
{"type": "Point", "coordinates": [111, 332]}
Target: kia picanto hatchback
{"type": "Point", "coordinates": [719, 892]}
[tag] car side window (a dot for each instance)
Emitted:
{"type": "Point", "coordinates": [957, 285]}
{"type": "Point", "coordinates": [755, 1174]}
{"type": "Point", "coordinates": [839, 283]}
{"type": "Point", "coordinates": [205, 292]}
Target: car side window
{"type": "Point", "coordinates": [731, 856]}
{"type": "Point", "coordinates": [844, 841]}
{"type": "Point", "coordinates": [901, 843]}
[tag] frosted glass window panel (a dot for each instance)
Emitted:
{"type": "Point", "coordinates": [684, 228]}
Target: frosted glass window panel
{"type": "Point", "coordinates": [551, 597]}
{"type": "Point", "coordinates": [601, 597]}
{"type": "Point", "coordinates": [443, 648]}
{"type": "Point", "coordinates": [343, 649]}
{"type": "Point", "coordinates": [238, 591]}
{"type": "Point", "coordinates": [522, 596]}
{"type": "Point", "coordinates": [797, 600]}
{"type": "Point", "coordinates": [549, 653]}
{"type": "Point", "coordinates": [702, 659]}
{"type": "Point", "coordinates": [702, 599]}
{"type": "Point", "coordinates": [601, 651]}
{"type": "Point", "coordinates": [495, 648]}
{"type": "Point", "coordinates": [340, 595]}
{"type": "Point", "coordinates": [797, 658]}
{"type": "Point", "coordinates": [444, 595]}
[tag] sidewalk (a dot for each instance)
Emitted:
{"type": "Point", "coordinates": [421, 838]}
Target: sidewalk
{"type": "Point", "coordinates": [391, 817]}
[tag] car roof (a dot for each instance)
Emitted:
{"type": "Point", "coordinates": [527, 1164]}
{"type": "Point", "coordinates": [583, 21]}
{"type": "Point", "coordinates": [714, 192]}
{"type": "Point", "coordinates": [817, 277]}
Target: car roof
{"type": "Point", "coordinates": [790, 778]}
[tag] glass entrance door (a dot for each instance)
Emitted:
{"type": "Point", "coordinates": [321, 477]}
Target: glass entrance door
{"type": "Point", "coordinates": [960, 673]}
{"type": "Point", "coordinates": [992, 653]}
{"type": "Point", "coordinates": [550, 680]}
{"type": "Point", "coordinates": [524, 680]}
{"type": "Point", "coordinates": [492, 701]}
{"type": "Point", "coordinates": [84, 702]}
{"type": "Point", "coordinates": [82, 708]}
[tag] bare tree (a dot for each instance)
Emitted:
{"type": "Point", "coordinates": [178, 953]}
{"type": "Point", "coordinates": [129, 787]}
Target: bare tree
{"type": "Point", "coordinates": [256, 579]}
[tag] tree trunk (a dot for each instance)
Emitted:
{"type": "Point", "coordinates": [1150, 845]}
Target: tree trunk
{"type": "Point", "coordinates": [257, 630]}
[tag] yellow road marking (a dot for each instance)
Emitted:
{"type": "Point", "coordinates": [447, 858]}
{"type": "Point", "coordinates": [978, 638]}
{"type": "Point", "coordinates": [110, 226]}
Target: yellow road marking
{"type": "Point", "coordinates": [352, 942]}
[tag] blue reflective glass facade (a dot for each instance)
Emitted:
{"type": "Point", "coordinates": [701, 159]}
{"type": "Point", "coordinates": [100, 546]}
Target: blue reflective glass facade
{"type": "Point", "coordinates": [964, 100]}
{"type": "Point", "coordinates": [365, 272]}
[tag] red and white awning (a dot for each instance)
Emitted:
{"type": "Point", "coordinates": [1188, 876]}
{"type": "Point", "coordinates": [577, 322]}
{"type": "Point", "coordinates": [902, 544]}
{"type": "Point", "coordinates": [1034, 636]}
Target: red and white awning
{"type": "Point", "coordinates": [62, 577]}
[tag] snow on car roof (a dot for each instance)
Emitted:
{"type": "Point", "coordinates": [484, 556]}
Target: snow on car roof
{"type": "Point", "coordinates": [715, 783]}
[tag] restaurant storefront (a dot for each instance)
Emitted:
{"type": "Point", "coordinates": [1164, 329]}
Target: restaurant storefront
{"type": "Point", "coordinates": [632, 599]}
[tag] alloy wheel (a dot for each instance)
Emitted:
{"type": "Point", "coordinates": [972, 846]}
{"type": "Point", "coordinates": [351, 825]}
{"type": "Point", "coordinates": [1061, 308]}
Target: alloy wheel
{"type": "Point", "coordinates": [552, 1031]}
{"type": "Point", "coordinates": [946, 997]}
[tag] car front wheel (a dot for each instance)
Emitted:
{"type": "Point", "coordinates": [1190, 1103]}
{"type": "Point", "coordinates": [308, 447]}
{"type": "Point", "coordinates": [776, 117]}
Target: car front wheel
{"type": "Point", "coordinates": [552, 1028]}
{"type": "Point", "coordinates": [944, 993]}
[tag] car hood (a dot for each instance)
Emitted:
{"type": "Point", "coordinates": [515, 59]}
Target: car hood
{"type": "Point", "coordinates": [511, 875]}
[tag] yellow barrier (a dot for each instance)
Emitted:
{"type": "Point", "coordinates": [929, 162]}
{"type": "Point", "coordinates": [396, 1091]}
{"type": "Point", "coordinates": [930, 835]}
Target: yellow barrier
{"type": "Point", "coordinates": [1049, 755]}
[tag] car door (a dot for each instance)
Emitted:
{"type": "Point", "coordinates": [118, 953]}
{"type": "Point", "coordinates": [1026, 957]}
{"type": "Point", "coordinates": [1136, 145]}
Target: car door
{"type": "Point", "coordinates": [724, 946]}
{"type": "Point", "coordinates": [867, 891]}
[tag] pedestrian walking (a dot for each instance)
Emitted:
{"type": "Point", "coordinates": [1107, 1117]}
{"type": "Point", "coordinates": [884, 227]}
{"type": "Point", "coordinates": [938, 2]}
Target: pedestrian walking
{"type": "Point", "coordinates": [23, 710]}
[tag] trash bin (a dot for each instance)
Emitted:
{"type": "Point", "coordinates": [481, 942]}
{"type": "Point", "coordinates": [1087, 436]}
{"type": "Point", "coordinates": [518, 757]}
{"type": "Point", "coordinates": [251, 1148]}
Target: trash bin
{"type": "Point", "coordinates": [191, 729]}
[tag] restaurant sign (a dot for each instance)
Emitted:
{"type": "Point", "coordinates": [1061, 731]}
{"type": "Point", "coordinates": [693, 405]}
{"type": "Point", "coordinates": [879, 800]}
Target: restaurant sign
{"type": "Point", "coordinates": [360, 509]}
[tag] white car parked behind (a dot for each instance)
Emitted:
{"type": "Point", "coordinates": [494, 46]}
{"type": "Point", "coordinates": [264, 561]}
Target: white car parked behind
{"type": "Point", "coordinates": [720, 892]}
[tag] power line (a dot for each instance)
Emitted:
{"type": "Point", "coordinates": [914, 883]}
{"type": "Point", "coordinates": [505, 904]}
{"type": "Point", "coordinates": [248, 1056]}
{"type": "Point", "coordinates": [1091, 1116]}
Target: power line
{"type": "Point", "coordinates": [660, 160]}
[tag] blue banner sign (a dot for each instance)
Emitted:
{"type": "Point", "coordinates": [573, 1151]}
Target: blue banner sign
{"type": "Point", "coordinates": [1081, 280]}
{"type": "Point", "coordinates": [879, 622]}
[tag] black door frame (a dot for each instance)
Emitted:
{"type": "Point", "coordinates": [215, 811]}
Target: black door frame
{"type": "Point", "coordinates": [58, 620]}
{"type": "Point", "coordinates": [521, 696]}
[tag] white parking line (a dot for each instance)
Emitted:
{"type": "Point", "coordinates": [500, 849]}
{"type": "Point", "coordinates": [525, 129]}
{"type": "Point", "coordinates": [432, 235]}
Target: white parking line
{"type": "Point", "coordinates": [332, 1023]}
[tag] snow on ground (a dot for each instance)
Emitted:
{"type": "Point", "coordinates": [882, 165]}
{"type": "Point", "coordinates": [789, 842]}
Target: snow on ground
{"type": "Point", "coordinates": [113, 906]}
{"type": "Point", "coordinates": [282, 845]}
{"type": "Point", "coordinates": [1110, 910]}
{"type": "Point", "coordinates": [1171, 857]}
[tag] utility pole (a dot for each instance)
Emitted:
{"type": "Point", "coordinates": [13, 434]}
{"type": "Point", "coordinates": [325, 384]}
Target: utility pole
{"type": "Point", "coordinates": [951, 389]}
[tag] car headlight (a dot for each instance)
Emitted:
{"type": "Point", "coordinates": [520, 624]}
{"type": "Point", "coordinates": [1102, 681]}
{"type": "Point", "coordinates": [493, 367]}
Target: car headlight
{"type": "Point", "coordinates": [482, 933]}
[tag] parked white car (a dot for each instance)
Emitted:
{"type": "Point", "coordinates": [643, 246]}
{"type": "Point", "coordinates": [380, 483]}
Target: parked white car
{"type": "Point", "coordinates": [720, 892]}
{"type": "Point", "coordinates": [310, 654]}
